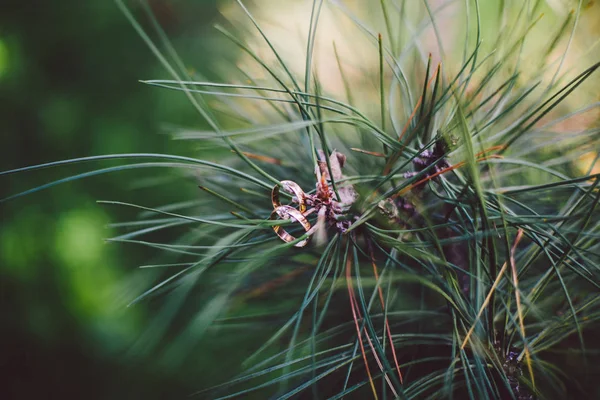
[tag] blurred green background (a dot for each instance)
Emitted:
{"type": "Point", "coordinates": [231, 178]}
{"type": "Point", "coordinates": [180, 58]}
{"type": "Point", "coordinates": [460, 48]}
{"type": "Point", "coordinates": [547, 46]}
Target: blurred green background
{"type": "Point", "coordinates": [69, 88]}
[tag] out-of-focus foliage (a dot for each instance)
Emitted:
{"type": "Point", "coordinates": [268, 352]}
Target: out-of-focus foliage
{"type": "Point", "coordinates": [69, 87]}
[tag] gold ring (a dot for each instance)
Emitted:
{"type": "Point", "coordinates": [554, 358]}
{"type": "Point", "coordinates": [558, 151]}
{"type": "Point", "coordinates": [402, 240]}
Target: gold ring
{"type": "Point", "coordinates": [292, 187]}
{"type": "Point", "coordinates": [287, 212]}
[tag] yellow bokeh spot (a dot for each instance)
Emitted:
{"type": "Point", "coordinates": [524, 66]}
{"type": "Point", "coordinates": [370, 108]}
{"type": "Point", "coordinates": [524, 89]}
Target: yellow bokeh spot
{"type": "Point", "coordinates": [585, 163]}
{"type": "Point", "coordinates": [82, 253]}
{"type": "Point", "coordinates": [94, 278]}
{"type": "Point", "coordinates": [79, 238]}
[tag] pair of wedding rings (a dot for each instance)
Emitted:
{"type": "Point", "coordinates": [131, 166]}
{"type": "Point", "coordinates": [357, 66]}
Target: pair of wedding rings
{"type": "Point", "coordinates": [289, 212]}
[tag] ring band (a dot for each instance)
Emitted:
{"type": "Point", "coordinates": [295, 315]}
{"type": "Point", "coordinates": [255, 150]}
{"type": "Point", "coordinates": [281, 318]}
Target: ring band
{"type": "Point", "coordinates": [287, 212]}
{"type": "Point", "coordinates": [292, 187]}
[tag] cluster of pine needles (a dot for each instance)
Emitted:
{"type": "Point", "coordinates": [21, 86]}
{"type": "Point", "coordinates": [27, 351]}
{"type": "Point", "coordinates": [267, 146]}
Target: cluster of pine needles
{"type": "Point", "coordinates": [468, 265]}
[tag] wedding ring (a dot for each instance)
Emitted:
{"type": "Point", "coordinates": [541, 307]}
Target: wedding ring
{"type": "Point", "coordinates": [289, 212]}
{"type": "Point", "coordinates": [291, 187]}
